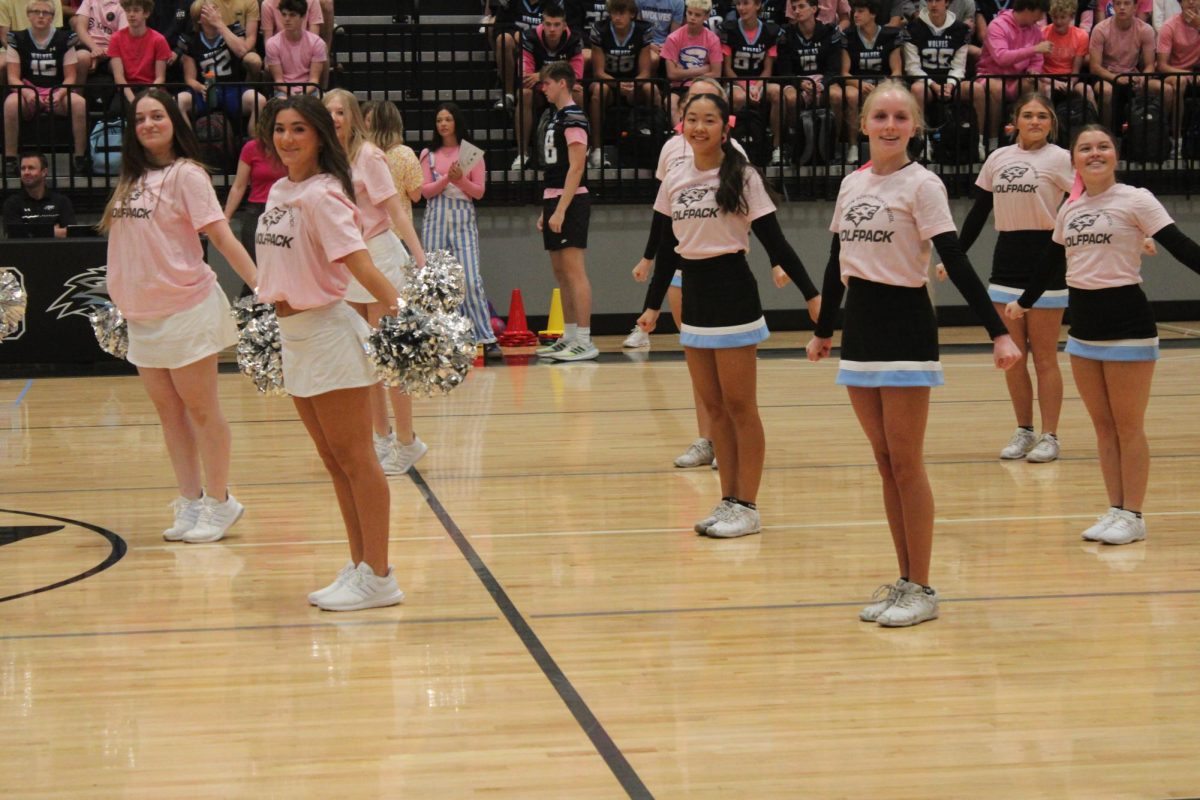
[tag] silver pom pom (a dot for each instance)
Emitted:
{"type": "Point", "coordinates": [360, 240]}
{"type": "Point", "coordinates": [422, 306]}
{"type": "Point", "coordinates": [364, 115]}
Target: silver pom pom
{"type": "Point", "coordinates": [12, 303]}
{"type": "Point", "coordinates": [112, 332]}
{"type": "Point", "coordinates": [439, 285]}
{"type": "Point", "coordinates": [423, 354]}
{"type": "Point", "coordinates": [247, 308]}
{"type": "Point", "coordinates": [259, 354]}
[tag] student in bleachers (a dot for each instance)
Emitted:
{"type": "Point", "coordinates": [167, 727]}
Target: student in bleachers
{"type": "Point", "coordinates": [224, 15]}
{"type": "Point", "coordinates": [207, 55]}
{"type": "Point", "coordinates": [1179, 56]}
{"type": "Point", "coordinates": [512, 19]}
{"type": "Point", "coordinates": [257, 171]}
{"type": "Point", "coordinates": [272, 21]}
{"type": "Point", "coordinates": [1068, 55]}
{"type": "Point", "coordinates": [935, 55]}
{"type": "Point", "coordinates": [1143, 10]}
{"type": "Point", "coordinates": [296, 54]}
{"type": "Point", "coordinates": [1014, 47]}
{"type": "Point", "coordinates": [832, 12]}
{"type": "Point", "coordinates": [872, 53]}
{"type": "Point", "coordinates": [1121, 45]}
{"type": "Point", "coordinates": [811, 49]}
{"type": "Point", "coordinates": [665, 17]}
{"type": "Point", "coordinates": [592, 12]}
{"type": "Point", "coordinates": [172, 18]}
{"type": "Point", "coordinates": [44, 59]}
{"type": "Point", "coordinates": [620, 52]}
{"type": "Point", "coordinates": [691, 52]}
{"type": "Point", "coordinates": [95, 22]}
{"type": "Point", "coordinates": [748, 44]}
{"type": "Point", "coordinates": [549, 42]}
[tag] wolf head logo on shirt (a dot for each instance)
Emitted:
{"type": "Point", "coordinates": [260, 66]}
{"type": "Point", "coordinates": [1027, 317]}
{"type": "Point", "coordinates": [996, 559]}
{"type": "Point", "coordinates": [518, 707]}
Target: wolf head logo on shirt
{"type": "Point", "coordinates": [1081, 222]}
{"type": "Point", "coordinates": [1010, 174]}
{"type": "Point", "coordinates": [274, 216]}
{"type": "Point", "coordinates": [862, 211]}
{"type": "Point", "coordinates": [689, 197]}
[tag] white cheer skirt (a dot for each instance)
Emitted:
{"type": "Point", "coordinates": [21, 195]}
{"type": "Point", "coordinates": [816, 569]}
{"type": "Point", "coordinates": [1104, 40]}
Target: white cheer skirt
{"type": "Point", "coordinates": [184, 338]}
{"type": "Point", "coordinates": [323, 351]}
{"type": "Point", "coordinates": [390, 257]}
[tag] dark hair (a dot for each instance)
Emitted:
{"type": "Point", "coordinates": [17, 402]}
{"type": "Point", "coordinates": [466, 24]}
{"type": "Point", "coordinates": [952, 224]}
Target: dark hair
{"type": "Point", "coordinates": [1031, 5]}
{"type": "Point", "coordinates": [295, 6]}
{"type": "Point", "coordinates": [331, 156]}
{"type": "Point", "coordinates": [875, 7]}
{"type": "Point", "coordinates": [459, 125]}
{"type": "Point", "coordinates": [553, 9]}
{"type": "Point", "coordinates": [144, 5]}
{"type": "Point", "coordinates": [39, 156]}
{"type": "Point", "coordinates": [731, 190]}
{"type": "Point", "coordinates": [1091, 128]}
{"type": "Point", "coordinates": [559, 71]}
{"type": "Point", "coordinates": [613, 6]}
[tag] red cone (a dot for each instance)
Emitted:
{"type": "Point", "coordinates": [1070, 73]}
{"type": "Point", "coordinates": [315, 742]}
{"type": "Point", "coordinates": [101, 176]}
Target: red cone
{"type": "Point", "coordinates": [517, 334]}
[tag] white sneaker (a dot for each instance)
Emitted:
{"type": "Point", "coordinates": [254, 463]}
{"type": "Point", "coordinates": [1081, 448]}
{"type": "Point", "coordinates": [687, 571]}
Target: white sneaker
{"type": "Point", "coordinates": [1126, 528]}
{"type": "Point", "coordinates": [1092, 534]}
{"type": "Point", "coordinates": [636, 338]}
{"type": "Point", "coordinates": [738, 521]}
{"type": "Point", "coordinates": [405, 455]}
{"type": "Point", "coordinates": [777, 155]}
{"type": "Point", "coordinates": [1019, 445]}
{"type": "Point", "coordinates": [912, 607]}
{"type": "Point", "coordinates": [852, 155]}
{"type": "Point", "coordinates": [518, 164]}
{"type": "Point", "coordinates": [714, 464]}
{"type": "Point", "coordinates": [698, 454]}
{"type": "Point", "coordinates": [576, 351]}
{"type": "Point", "coordinates": [983, 151]}
{"type": "Point", "coordinates": [383, 445]}
{"type": "Point", "coordinates": [596, 159]}
{"type": "Point", "coordinates": [361, 589]}
{"type": "Point", "coordinates": [884, 598]}
{"type": "Point", "coordinates": [547, 350]}
{"type": "Point", "coordinates": [186, 513]}
{"type": "Point", "coordinates": [343, 573]}
{"type": "Point", "coordinates": [215, 519]}
{"type": "Point", "coordinates": [1045, 451]}
{"type": "Point", "coordinates": [718, 513]}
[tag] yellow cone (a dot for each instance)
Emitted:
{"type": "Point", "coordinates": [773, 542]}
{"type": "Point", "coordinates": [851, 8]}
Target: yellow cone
{"type": "Point", "coordinates": [554, 325]}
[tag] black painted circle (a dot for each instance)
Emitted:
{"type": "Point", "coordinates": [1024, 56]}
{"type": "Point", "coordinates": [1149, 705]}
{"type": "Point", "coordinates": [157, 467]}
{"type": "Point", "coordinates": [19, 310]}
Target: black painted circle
{"type": "Point", "coordinates": [119, 548]}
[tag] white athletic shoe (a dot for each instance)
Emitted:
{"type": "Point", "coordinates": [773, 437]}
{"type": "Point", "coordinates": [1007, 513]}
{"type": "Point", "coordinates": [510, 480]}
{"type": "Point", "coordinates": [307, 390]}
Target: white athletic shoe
{"type": "Point", "coordinates": [343, 573]}
{"type": "Point", "coordinates": [383, 445]}
{"type": "Point", "coordinates": [1019, 445]}
{"type": "Point", "coordinates": [1126, 528]}
{"type": "Point", "coordinates": [186, 513]}
{"type": "Point", "coordinates": [912, 607]}
{"type": "Point", "coordinates": [1102, 524]}
{"type": "Point", "coordinates": [596, 158]}
{"type": "Point", "coordinates": [558, 345]}
{"type": "Point", "coordinates": [408, 454]}
{"type": "Point", "coordinates": [361, 589]}
{"type": "Point", "coordinates": [576, 351]}
{"type": "Point", "coordinates": [636, 338]}
{"type": "Point", "coordinates": [714, 464]}
{"type": "Point", "coordinates": [884, 598]}
{"type": "Point", "coordinates": [1045, 451]}
{"type": "Point", "coordinates": [215, 519]}
{"type": "Point", "coordinates": [852, 155]}
{"type": "Point", "coordinates": [718, 513]}
{"type": "Point", "coordinates": [738, 521]}
{"type": "Point", "coordinates": [699, 454]}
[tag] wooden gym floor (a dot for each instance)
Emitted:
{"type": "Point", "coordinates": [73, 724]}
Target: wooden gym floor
{"type": "Point", "coordinates": [566, 635]}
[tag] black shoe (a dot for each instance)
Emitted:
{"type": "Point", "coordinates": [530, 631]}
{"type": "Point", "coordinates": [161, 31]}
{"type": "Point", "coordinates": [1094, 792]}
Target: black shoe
{"type": "Point", "coordinates": [492, 350]}
{"type": "Point", "coordinates": [83, 166]}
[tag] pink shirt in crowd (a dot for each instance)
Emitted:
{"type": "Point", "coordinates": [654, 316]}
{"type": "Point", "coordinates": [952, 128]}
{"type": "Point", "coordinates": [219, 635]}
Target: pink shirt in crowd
{"type": "Point", "coordinates": [1008, 48]}
{"type": "Point", "coordinates": [1027, 186]}
{"type": "Point", "coordinates": [1103, 235]}
{"type": "Point", "coordinates": [885, 223]}
{"type": "Point", "coordinates": [269, 10]}
{"type": "Point", "coordinates": [1067, 47]}
{"type": "Point", "coordinates": [101, 26]}
{"type": "Point", "coordinates": [529, 65]}
{"type": "Point", "coordinates": [1180, 41]}
{"type": "Point", "coordinates": [692, 51]}
{"type": "Point", "coordinates": [689, 197]}
{"type": "Point", "coordinates": [303, 236]}
{"type": "Point", "coordinates": [138, 54]}
{"type": "Point", "coordinates": [470, 185]}
{"type": "Point", "coordinates": [295, 59]}
{"type": "Point", "coordinates": [264, 171]}
{"type": "Point", "coordinates": [1122, 49]}
{"type": "Point", "coordinates": [156, 266]}
{"type": "Point", "coordinates": [828, 11]}
{"type": "Point", "coordinates": [373, 186]}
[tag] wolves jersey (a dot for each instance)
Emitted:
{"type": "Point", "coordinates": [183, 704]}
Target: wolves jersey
{"type": "Point", "coordinates": [534, 43]}
{"type": "Point", "coordinates": [747, 57]}
{"type": "Point", "coordinates": [621, 58]}
{"type": "Point", "coordinates": [215, 57]}
{"type": "Point", "coordinates": [594, 11]}
{"type": "Point", "coordinates": [555, 146]}
{"type": "Point", "coordinates": [42, 66]}
{"type": "Point", "coordinates": [870, 60]}
{"type": "Point", "coordinates": [937, 49]}
{"type": "Point", "coordinates": [820, 55]}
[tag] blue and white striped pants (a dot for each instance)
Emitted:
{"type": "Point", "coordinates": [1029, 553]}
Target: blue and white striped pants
{"type": "Point", "coordinates": [450, 225]}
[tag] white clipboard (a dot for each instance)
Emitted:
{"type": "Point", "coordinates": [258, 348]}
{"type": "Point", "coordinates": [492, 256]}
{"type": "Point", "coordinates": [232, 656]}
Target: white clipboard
{"type": "Point", "coordinates": [468, 156]}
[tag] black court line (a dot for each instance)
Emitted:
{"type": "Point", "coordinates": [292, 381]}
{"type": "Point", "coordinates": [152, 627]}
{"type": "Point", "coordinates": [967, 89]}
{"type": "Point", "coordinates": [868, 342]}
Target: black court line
{"type": "Point", "coordinates": [239, 628]}
{"type": "Point", "coordinates": [117, 550]}
{"type": "Point", "coordinates": [595, 731]}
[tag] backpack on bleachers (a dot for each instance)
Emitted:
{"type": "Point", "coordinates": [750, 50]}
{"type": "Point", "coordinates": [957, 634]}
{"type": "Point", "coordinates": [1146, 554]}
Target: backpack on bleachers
{"type": "Point", "coordinates": [1146, 137]}
{"type": "Point", "coordinates": [953, 134]}
{"type": "Point", "coordinates": [1073, 113]}
{"type": "Point", "coordinates": [105, 144]}
{"type": "Point", "coordinates": [1191, 128]}
{"type": "Point", "coordinates": [215, 135]}
{"type": "Point", "coordinates": [640, 135]}
{"type": "Point", "coordinates": [814, 137]}
{"type": "Point", "coordinates": [750, 129]}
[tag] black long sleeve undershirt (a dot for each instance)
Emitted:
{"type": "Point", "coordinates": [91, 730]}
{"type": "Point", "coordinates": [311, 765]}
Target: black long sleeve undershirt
{"type": "Point", "coordinates": [780, 251]}
{"type": "Point", "coordinates": [666, 261]}
{"type": "Point", "coordinates": [832, 290]}
{"type": "Point", "coordinates": [656, 229]}
{"type": "Point", "coordinates": [976, 218]}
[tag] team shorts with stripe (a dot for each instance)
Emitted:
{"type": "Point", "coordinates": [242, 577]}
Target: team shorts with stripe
{"type": "Point", "coordinates": [889, 337]}
{"type": "Point", "coordinates": [1114, 324]}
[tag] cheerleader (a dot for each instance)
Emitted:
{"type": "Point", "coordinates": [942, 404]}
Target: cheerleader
{"type": "Point", "coordinates": [1113, 340]}
{"type": "Point", "coordinates": [178, 316]}
{"type": "Point", "coordinates": [449, 222]}
{"type": "Point", "coordinates": [310, 247]}
{"type": "Point", "coordinates": [1026, 183]}
{"type": "Point", "coordinates": [382, 210]}
{"type": "Point", "coordinates": [709, 204]}
{"type": "Point", "coordinates": [885, 217]}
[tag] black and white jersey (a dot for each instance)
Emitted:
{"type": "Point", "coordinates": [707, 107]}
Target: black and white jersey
{"type": "Point", "coordinates": [534, 44]}
{"type": "Point", "coordinates": [870, 59]}
{"type": "Point", "coordinates": [42, 66]}
{"type": "Point", "coordinates": [774, 11]}
{"type": "Point", "coordinates": [555, 146]}
{"type": "Point", "coordinates": [819, 55]}
{"type": "Point", "coordinates": [748, 53]}
{"type": "Point", "coordinates": [524, 15]}
{"type": "Point", "coordinates": [621, 57]}
{"type": "Point", "coordinates": [721, 12]}
{"type": "Point", "coordinates": [214, 55]}
{"type": "Point", "coordinates": [594, 11]}
{"type": "Point", "coordinates": [934, 51]}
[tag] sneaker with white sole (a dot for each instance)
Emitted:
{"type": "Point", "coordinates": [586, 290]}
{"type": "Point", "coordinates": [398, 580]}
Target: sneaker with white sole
{"type": "Point", "coordinates": [714, 464]}
{"type": "Point", "coordinates": [383, 445]}
{"type": "Point", "coordinates": [739, 520]}
{"type": "Point", "coordinates": [636, 338]}
{"type": "Point", "coordinates": [777, 155]}
{"type": "Point", "coordinates": [913, 606]}
{"type": "Point", "coordinates": [1022, 441]}
{"type": "Point", "coordinates": [339, 579]}
{"type": "Point", "coordinates": [1102, 524]}
{"type": "Point", "coordinates": [1125, 529]}
{"type": "Point", "coordinates": [362, 589]}
{"type": "Point", "coordinates": [576, 351]}
{"type": "Point", "coordinates": [1045, 451]}
{"type": "Point", "coordinates": [718, 513]}
{"type": "Point", "coordinates": [884, 598]}
{"type": "Point", "coordinates": [852, 155]}
{"type": "Point", "coordinates": [518, 164]}
{"type": "Point", "coordinates": [699, 454]}
{"type": "Point", "coordinates": [215, 519]}
{"type": "Point", "coordinates": [556, 346]}
{"type": "Point", "coordinates": [187, 512]}
{"type": "Point", "coordinates": [408, 454]}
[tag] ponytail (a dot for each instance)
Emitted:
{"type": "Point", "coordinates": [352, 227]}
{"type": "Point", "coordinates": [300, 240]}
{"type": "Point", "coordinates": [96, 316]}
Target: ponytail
{"type": "Point", "coordinates": [731, 191]}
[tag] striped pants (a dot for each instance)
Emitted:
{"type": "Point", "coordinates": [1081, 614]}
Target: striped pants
{"type": "Point", "coordinates": [450, 225]}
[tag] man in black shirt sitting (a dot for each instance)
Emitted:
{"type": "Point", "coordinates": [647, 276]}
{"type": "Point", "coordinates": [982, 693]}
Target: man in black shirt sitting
{"type": "Point", "coordinates": [35, 206]}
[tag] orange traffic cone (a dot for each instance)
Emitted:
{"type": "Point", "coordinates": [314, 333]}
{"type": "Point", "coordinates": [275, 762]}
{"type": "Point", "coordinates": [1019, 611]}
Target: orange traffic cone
{"type": "Point", "coordinates": [517, 334]}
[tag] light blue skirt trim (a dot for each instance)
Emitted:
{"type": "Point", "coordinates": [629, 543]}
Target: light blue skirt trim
{"type": "Point", "coordinates": [1053, 298]}
{"type": "Point", "coordinates": [677, 279]}
{"type": "Point", "coordinates": [1115, 350]}
{"type": "Point", "coordinates": [874, 374]}
{"type": "Point", "coordinates": [720, 338]}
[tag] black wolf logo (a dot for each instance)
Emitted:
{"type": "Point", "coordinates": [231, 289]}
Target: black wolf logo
{"type": "Point", "coordinates": [83, 293]}
{"type": "Point", "coordinates": [694, 195]}
{"type": "Point", "coordinates": [1083, 221]}
{"type": "Point", "coordinates": [862, 211]}
{"type": "Point", "coordinates": [274, 216]}
{"type": "Point", "coordinates": [1010, 174]}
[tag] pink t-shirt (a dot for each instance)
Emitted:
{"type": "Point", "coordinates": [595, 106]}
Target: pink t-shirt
{"type": "Point", "coordinates": [692, 51]}
{"type": "Point", "coordinates": [156, 266]}
{"type": "Point", "coordinates": [828, 10]}
{"type": "Point", "coordinates": [469, 187]}
{"type": "Point", "coordinates": [1121, 49]}
{"type": "Point", "coordinates": [1071, 45]}
{"type": "Point", "coordinates": [1180, 41]}
{"type": "Point", "coordinates": [100, 26]}
{"type": "Point", "coordinates": [295, 59]}
{"type": "Point", "coordinates": [689, 197]}
{"type": "Point", "coordinates": [264, 171]}
{"type": "Point", "coordinates": [373, 185]}
{"type": "Point", "coordinates": [885, 222]}
{"type": "Point", "coordinates": [676, 151]}
{"type": "Point", "coordinates": [269, 15]}
{"type": "Point", "coordinates": [306, 231]}
{"type": "Point", "coordinates": [1103, 235]}
{"type": "Point", "coordinates": [138, 54]}
{"type": "Point", "coordinates": [1027, 186]}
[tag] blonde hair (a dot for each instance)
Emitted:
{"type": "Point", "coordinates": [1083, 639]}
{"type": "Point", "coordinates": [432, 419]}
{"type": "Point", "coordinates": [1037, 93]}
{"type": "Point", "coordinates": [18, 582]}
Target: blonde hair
{"type": "Point", "coordinates": [699, 5]}
{"type": "Point", "coordinates": [29, 6]}
{"type": "Point", "coordinates": [891, 85]}
{"type": "Point", "coordinates": [716, 84]}
{"type": "Point", "coordinates": [1064, 7]}
{"type": "Point", "coordinates": [357, 135]}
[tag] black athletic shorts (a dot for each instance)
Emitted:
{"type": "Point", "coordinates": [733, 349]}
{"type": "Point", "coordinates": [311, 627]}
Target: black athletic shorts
{"type": "Point", "coordinates": [575, 224]}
